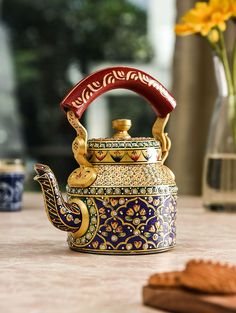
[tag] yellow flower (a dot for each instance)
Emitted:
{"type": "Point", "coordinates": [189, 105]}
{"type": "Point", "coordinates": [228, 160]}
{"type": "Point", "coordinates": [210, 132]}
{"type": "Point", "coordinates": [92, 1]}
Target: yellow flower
{"type": "Point", "coordinates": [206, 16]}
{"type": "Point", "coordinates": [184, 29]}
{"type": "Point", "coordinates": [213, 36]}
{"type": "Point", "coordinates": [222, 10]}
{"type": "Point", "coordinates": [233, 7]}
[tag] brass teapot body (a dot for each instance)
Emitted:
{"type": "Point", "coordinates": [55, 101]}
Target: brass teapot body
{"type": "Point", "coordinates": [121, 198]}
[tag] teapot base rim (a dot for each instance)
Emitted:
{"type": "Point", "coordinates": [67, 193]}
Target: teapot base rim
{"type": "Point", "coordinates": [121, 252]}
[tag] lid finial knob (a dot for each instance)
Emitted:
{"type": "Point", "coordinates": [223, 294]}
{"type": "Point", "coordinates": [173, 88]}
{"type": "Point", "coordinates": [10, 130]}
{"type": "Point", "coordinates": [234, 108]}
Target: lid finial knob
{"type": "Point", "coordinates": [121, 126]}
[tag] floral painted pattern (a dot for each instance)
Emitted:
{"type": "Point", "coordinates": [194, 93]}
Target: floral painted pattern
{"type": "Point", "coordinates": [129, 225]}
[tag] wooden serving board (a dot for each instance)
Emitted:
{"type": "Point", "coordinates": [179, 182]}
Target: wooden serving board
{"type": "Point", "coordinates": [181, 301]}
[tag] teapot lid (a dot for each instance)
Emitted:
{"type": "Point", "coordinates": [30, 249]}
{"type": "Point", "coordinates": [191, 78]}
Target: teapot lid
{"type": "Point", "coordinates": [121, 148]}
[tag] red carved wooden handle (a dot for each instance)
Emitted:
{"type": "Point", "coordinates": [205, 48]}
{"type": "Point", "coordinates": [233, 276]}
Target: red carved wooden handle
{"type": "Point", "coordinates": [88, 89]}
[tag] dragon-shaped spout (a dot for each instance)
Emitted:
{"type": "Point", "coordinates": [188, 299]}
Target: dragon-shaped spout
{"type": "Point", "coordinates": [70, 217]}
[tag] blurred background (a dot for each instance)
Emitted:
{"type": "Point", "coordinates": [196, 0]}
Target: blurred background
{"type": "Point", "coordinates": [46, 47]}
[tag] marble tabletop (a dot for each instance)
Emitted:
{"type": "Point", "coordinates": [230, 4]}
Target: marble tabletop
{"type": "Point", "coordinates": [38, 273]}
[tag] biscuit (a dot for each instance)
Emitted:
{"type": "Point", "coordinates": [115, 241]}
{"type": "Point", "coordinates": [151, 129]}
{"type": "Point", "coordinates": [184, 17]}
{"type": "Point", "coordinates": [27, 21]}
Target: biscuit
{"type": "Point", "coordinates": [209, 277]}
{"type": "Point", "coordinates": [168, 280]}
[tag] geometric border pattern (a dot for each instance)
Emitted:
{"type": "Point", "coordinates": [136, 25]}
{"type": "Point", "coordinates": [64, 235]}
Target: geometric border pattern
{"type": "Point", "coordinates": [127, 191]}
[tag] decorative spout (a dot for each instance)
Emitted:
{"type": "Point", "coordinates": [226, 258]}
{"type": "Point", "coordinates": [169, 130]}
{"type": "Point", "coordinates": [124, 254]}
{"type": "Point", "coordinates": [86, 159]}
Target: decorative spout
{"type": "Point", "coordinates": [70, 217]}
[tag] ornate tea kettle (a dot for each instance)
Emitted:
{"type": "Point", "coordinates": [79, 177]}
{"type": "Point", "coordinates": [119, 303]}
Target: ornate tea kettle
{"type": "Point", "coordinates": [121, 198]}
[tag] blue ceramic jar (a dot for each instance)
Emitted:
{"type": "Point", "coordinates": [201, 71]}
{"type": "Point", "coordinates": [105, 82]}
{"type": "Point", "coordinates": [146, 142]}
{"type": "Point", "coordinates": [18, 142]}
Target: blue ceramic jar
{"type": "Point", "coordinates": [11, 184]}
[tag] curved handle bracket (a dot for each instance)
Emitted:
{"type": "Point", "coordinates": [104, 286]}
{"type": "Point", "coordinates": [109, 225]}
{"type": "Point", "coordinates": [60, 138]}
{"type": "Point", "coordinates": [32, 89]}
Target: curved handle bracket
{"type": "Point", "coordinates": [86, 174]}
{"type": "Point", "coordinates": [159, 134]}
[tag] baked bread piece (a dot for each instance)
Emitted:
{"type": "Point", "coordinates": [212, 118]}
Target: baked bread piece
{"type": "Point", "coordinates": [209, 277]}
{"type": "Point", "coordinates": [166, 280]}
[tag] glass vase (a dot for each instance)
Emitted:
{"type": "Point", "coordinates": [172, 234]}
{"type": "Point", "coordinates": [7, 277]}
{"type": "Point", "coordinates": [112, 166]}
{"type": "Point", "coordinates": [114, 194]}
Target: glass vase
{"type": "Point", "coordinates": [219, 176]}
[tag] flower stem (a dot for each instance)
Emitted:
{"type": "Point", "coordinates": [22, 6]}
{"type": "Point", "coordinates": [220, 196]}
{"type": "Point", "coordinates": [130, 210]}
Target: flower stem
{"type": "Point", "coordinates": [232, 116]}
{"type": "Point", "coordinates": [234, 85]}
{"type": "Point", "coordinates": [220, 49]}
{"type": "Point", "coordinates": [224, 58]}
{"type": "Point", "coordinates": [234, 66]}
